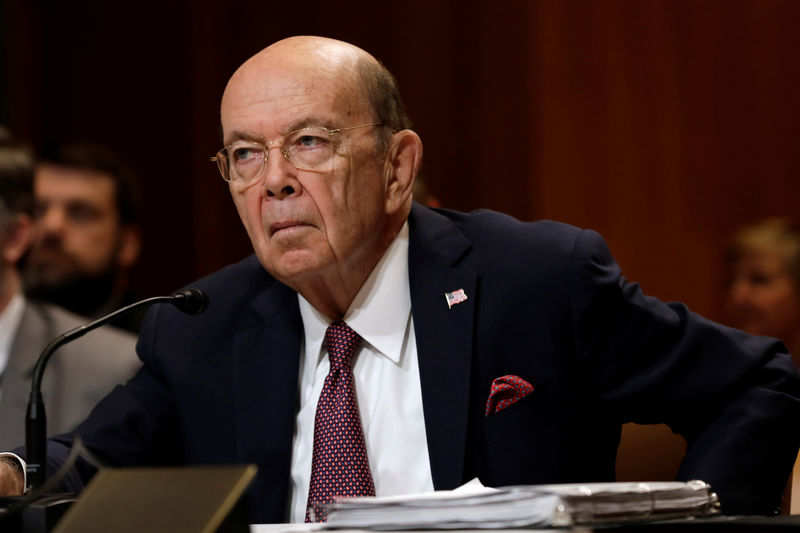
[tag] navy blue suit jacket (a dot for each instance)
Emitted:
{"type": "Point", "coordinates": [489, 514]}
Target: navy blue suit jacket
{"type": "Point", "coordinates": [546, 302]}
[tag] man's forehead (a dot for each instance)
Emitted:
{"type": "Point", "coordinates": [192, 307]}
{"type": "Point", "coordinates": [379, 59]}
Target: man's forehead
{"type": "Point", "coordinates": [260, 118]}
{"type": "Point", "coordinates": [303, 63]}
{"type": "Point", "coordinates": [56, 171]}
{"type": "Point", "coordinates": [276, 102]}
{"type": "Point", "coordinates": [51, 178]}
{"type": "Point", "coordinates": [286, 80]}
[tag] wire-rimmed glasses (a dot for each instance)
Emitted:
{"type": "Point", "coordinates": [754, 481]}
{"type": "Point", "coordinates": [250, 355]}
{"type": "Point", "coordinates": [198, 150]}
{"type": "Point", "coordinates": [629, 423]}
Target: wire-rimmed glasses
{"type": "Point", "coordinates": [310, 148]}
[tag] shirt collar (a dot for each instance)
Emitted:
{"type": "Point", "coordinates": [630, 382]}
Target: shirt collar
{"type": "Point", "coordinates": [380, 311]}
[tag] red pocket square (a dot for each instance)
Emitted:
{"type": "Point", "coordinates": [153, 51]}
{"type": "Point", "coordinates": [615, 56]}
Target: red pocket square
{"type": "Point", "coordinates": [505, 391]}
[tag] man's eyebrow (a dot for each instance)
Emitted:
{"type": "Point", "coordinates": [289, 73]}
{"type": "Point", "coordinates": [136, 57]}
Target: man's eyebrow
{"type": "Point", "coordinates": [237, 135]}
{"type": "Point", "coordinates": [310, 122]}
{"type": "Point", "coordinates": [306, 122]}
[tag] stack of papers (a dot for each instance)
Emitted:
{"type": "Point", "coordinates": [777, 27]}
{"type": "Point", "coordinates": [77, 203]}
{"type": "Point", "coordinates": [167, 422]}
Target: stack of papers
{"type": "Point", "coordinates": [474, 506]}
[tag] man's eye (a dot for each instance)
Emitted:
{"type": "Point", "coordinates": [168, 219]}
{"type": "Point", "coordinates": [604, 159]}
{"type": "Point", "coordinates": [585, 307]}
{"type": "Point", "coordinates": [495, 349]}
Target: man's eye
{"type": "Point", "coordinates": [245, 153]}
{"type": "Point", "coordinates": [82, 213]}
{"type": "Point", "coordinates": [307, 140]}
{"type": "Point", "coordinates": [310, 141]}
{"type": "Point", "coordinates": [40, 210]}
{"type": "Point", "coordinates": [760, 279]}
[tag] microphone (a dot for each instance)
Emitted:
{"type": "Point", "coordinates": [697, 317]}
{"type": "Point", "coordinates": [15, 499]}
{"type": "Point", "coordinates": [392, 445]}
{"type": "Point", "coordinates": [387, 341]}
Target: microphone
{"type": "Point", "coordinates": [191, 301]}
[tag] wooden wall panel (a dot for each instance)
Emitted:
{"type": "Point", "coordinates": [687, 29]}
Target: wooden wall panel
{"type": "Point", "coordinates": [662, 123]}
{"type": "Point", "coordinates": [665, 125]}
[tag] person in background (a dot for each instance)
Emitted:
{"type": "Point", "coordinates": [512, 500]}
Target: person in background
{"type": "Point", "coordinates": [87, 236]}
{"type": "Point", "coordinates": [80, 373]}
{"type": "Point", "coordinates": [763, 295]}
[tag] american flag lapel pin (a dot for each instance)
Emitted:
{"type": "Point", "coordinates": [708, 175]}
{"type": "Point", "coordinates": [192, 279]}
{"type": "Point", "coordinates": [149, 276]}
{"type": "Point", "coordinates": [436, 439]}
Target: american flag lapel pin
{"type": "Point", "coordinates": [455, 297]}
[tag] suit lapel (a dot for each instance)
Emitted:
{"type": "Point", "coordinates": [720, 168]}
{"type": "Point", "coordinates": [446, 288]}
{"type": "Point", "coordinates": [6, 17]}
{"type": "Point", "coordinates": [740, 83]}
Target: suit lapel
{"type": "Point", "coordinates": [266, 358]}
{"type": "Point", "coordinates": [444, 338]}
{"type": "Point", "coordinates": [16, 380]}
{"type": "Point", "coordinates": [35, 330]}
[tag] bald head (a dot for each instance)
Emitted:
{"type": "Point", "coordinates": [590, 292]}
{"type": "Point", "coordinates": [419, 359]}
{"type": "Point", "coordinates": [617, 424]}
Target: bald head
{"type": "Point", "coordinates": [315, 52]}
{"type": "Point", "coordinates": [361, 79]}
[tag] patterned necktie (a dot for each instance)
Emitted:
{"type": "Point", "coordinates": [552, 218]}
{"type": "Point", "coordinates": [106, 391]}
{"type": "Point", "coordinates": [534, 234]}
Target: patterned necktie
{"type": "Point", "coordinates": [339, 466]}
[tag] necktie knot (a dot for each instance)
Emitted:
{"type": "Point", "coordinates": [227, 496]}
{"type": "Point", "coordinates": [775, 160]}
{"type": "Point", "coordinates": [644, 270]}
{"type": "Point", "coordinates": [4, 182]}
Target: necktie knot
{"type": "Point", "coordinates": [341, 340]}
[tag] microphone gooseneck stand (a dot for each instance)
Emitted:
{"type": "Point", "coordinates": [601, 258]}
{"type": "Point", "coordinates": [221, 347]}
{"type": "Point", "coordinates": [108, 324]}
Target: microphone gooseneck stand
{"type": "Point", "coordinates": [190, 301]}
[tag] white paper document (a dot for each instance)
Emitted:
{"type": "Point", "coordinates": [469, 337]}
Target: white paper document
{"type": "Point", "coordinates": [474, 506]}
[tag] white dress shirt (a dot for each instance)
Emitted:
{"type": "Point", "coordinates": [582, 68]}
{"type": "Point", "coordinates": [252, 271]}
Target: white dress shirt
{"type": "Point", "coordinates": [386, 373]}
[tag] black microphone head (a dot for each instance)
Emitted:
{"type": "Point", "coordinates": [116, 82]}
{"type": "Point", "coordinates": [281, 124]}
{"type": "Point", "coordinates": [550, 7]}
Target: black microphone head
{"type": "Point", "coordinates": [190, 301]}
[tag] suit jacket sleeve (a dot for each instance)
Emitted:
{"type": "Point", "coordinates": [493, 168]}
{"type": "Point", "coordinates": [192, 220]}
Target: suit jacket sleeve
{"type": "Point", "coordinates": [200, 398]}
{"type": "Point", "coordinates": [734, 397]}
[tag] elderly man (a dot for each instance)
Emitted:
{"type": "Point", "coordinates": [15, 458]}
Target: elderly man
{"type": "Point", "coordinates": [483, 346]}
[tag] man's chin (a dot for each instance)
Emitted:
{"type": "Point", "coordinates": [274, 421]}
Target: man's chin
{"type": "Point", "coordinates": [85, 296]}
{"type": "Point", "coordinates": [49, 278]}
{"type": "Point", "coordinates": [294, 266]}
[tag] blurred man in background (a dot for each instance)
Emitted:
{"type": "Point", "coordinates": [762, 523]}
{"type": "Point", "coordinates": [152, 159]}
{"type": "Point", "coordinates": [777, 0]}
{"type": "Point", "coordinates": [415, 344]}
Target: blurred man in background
{"type": "Point", "coordinates": [80, 373]}
{"type": "Point", "coordinates": [87, 236]}
{"type": "Point", "coordinates": [763, 262]}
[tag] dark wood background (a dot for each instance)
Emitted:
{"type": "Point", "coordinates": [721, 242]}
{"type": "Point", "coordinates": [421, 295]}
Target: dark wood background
{"type": "Point", "coordinates": [663, 124]}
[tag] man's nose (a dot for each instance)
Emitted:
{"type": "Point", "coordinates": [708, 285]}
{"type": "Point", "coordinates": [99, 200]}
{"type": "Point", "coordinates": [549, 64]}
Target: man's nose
{"type": "Point", "coordinates": [280, 176]}
{"type": "Point", "coordinates": [52, 221]}
{"type": "Point", "coordinates": [739, 292]}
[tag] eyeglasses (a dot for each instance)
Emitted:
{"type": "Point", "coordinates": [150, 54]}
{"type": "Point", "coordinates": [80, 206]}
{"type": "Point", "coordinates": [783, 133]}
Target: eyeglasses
{"type": "Point", "coordinates": [309, 149]}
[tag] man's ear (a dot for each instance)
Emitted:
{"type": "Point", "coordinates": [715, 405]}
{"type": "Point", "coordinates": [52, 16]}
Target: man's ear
{"type": "Point", "coordinates": [130, 246]}
{"type": "Point", "coordinates": [400, 169]}
{"type": "Point", "coordinates": [17, 239]}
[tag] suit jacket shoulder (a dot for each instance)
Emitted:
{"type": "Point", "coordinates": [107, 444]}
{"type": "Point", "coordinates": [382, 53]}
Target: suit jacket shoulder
{"type": "Point", "coordinates": [495, 244]}
{"type": "Point", "coordinates": [241, 296]}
